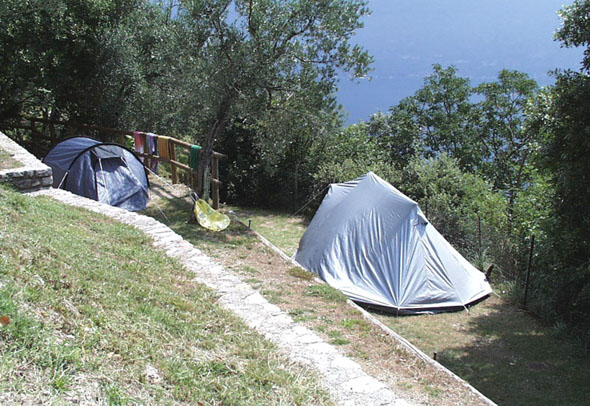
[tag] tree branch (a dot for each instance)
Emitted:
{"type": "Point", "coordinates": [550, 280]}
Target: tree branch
{"type": "Point", "coordinates": [292, 34]}
{"type": "Point", "coordinates": [251, 28]}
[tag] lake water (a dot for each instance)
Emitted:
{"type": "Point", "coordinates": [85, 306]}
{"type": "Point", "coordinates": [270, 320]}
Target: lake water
{"type": "Point", "coordinates": [478, 37]}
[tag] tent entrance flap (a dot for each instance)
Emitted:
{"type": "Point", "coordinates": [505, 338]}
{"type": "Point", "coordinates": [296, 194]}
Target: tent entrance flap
{"type": "Point", "coordinates": [102, 188]}
{"type": "Point", "coordinates": [115, 183]}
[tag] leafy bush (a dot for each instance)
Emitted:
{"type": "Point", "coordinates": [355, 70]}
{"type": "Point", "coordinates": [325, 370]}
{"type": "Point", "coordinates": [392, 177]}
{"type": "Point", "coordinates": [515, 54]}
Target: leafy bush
{"type": "Point", "coordinates": [348, 154]}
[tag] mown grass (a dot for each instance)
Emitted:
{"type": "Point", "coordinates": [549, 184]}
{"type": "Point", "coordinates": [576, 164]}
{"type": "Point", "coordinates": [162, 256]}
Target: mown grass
{"type": "Point", "coordinates": [98, 316]}
{"type": "Point", "coordinates": [281, 229]}
{"type": "Point", "coordinates": [504, 352]}
{"type": "Point", "coordinates": [501, 350]}
{"type": "Point", "coordinates": [7, 162]}
{"type": "Point", "coordinates": [326, 292]}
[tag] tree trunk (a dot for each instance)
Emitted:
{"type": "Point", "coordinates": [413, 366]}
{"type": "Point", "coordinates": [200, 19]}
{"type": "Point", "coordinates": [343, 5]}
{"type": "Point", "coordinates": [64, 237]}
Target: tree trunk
{"type": "Point", "coordinates": [221, 119]}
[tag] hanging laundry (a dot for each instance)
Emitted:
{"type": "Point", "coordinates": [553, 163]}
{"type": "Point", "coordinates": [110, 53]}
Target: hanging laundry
{"type": "Point", "coordinates": [194, 157]}
{"type": "Point", "coordinates": [163, 147]}
{"type": "Point", "coordinates": [139, 141]}
{"type": "Point", "coordinates": [151, 141]}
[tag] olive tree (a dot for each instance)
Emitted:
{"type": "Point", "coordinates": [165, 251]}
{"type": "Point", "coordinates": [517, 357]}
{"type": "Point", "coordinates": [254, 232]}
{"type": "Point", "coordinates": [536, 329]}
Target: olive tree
{"type": "Point", "coordinates": [245, 58]}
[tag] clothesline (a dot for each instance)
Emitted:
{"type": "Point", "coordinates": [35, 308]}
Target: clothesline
{"type": "Point", "coordinates": [159, 146]}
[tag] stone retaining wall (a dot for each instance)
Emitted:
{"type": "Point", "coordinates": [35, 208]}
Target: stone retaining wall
{"type": "Point", "coordinates": [31, 176]}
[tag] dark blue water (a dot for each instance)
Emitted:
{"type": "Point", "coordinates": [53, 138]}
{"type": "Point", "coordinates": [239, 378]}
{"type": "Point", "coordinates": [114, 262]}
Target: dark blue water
{"type": "Point", "coordinates": [479, 37]}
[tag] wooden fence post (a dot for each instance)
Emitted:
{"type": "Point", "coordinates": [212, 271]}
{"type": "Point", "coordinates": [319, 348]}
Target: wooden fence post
{"type": "Point", "coordinates": [172, 152]}
{"type": "Point", "coordinates": [199, 186]}
{"type": "Point", "coordinates": [215, 181]}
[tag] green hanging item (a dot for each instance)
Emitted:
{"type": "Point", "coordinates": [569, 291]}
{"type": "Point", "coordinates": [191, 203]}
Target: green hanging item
{"type": "Point", "coordinates": [194, 157]}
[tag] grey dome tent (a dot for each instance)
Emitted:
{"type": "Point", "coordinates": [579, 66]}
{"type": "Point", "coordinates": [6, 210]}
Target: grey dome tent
{"type": "Point", "coordinates": [374, 244]}
{"type": "Point", "coordinates": [107, 172]}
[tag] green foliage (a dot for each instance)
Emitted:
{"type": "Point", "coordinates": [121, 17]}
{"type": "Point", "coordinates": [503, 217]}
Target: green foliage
{"type": "Point", "coordinates": [562, 116]}
{"type": "Point", "coordinates": [348, 154]}
{"type": "Point", "coordinates": [444, 112]}
{"type": "Point", "coordinates": [437, 119]}
{"type": "Point", "coordinates": [267, 70]}
{"type": "Point", "coordinates": [270, 167]}
{"type": "Point", "coordinates": [268, 60]}
{"type": "Point", "coordinates": [564, 263]}
{"type": "Point", "coordinates": [398, 133]}
{"type": "Point", "coordinates": [566, 157]}
{"type": "Point", "coordinates": [70, 59]}
{"type": "Point", "coordinates": [505, 141]}
{"type": "Point", "coordinates": [575, 30]}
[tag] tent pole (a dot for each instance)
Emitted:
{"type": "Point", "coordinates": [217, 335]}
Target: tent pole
{"type": "Point", "coordinates": [63, 179]}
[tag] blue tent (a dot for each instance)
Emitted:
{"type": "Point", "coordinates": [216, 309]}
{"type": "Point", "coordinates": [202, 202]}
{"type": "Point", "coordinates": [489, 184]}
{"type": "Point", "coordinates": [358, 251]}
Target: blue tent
{"type": "Point", "coordinates": [107, 172]}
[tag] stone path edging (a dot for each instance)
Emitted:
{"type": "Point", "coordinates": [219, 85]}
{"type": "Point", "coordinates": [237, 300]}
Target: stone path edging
{"type": "Point", "coordinates": [348, 384]}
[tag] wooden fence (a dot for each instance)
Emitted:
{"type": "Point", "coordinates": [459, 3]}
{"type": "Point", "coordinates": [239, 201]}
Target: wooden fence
{"type": "Point", "coordinates": [45, 129]}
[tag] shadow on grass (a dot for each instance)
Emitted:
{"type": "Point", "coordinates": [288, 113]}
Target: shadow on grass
{"type": "Point", "coordinates": [516, 361]}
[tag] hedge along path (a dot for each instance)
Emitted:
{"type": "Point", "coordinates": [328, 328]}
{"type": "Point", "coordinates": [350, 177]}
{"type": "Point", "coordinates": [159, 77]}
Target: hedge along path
{"type": "Point", "coordinates": [347, 383]}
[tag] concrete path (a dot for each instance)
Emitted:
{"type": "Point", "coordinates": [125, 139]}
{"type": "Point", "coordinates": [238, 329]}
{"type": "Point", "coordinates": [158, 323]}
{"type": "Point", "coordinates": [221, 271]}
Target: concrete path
{"type": "Point", "coordinates": [345, 380]}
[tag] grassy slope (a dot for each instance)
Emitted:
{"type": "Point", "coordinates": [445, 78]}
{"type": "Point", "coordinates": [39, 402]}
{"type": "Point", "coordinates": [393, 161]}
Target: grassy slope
{"type": "Point", "coordinates": [502, 351]}
{"type": "Point", "coordinates": [97, 315]}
